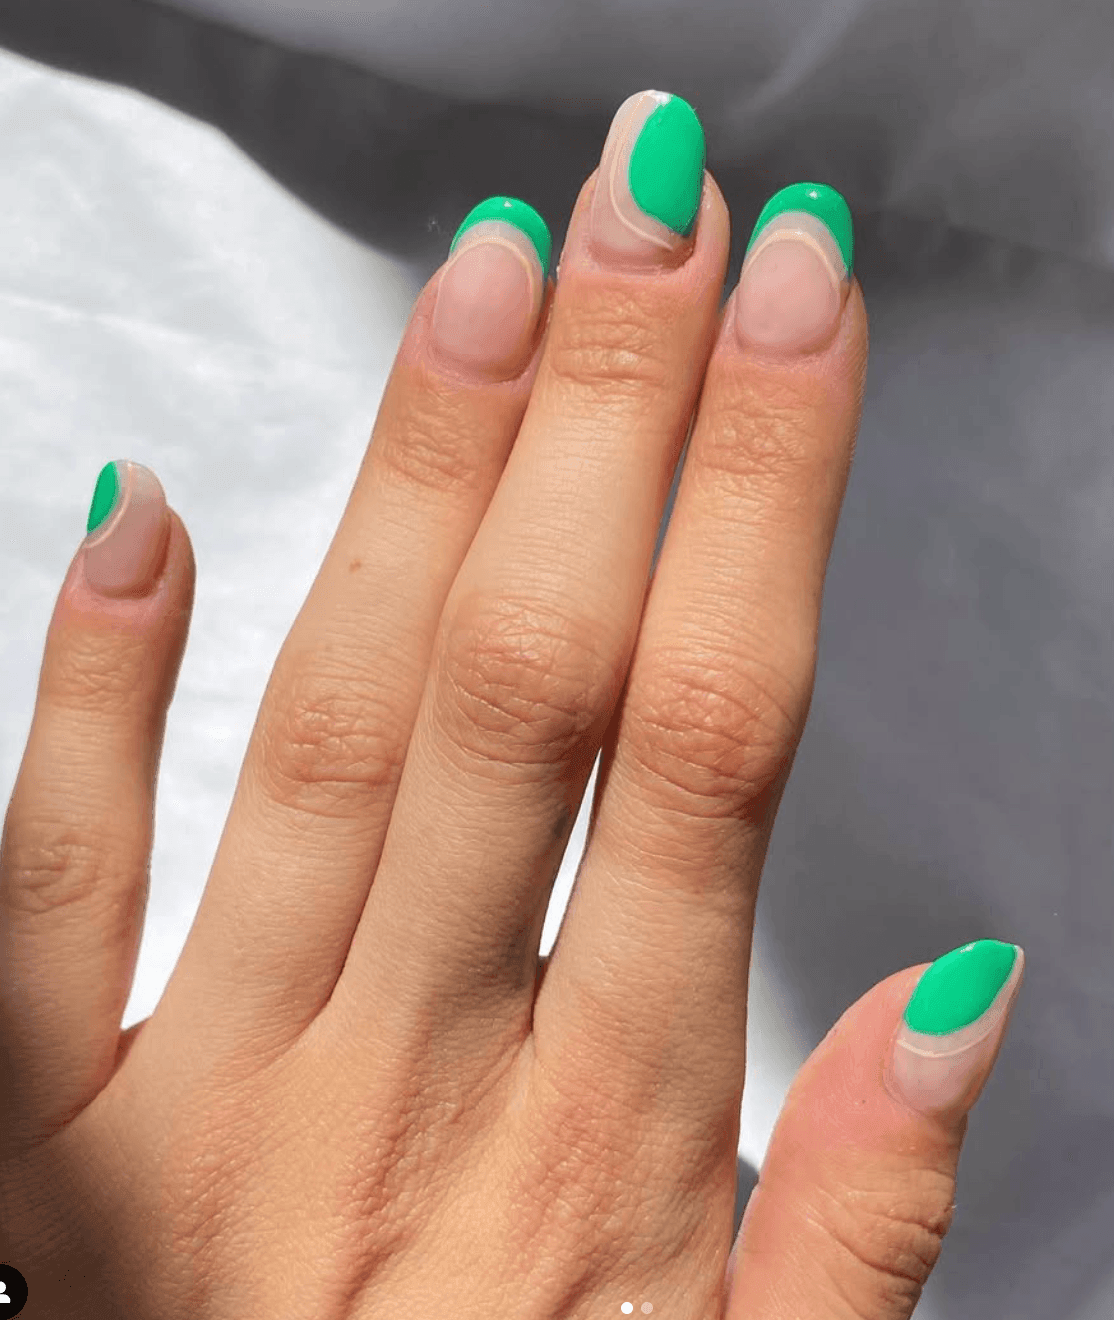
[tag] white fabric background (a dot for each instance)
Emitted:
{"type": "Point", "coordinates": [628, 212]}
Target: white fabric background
{"type": "Point", "coordinates": [212, 228]}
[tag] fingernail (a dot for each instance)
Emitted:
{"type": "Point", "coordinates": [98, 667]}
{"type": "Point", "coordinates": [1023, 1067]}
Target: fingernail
{"type": "Point", "coordinates": [128, 530]}
{"type": "Point", "coordinates": [650, 183]}
{"type": "Point", "coordinates": [797, 270]}
{"type": "Point", "coordinates": [953, 1026]}
{"type": "Point", "coordinates": [492, 288]}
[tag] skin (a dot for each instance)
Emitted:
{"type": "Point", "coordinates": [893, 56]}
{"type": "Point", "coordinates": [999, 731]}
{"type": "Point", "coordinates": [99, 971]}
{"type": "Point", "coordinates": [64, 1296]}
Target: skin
{"type": "Point", "coordinates": [363, 1094]}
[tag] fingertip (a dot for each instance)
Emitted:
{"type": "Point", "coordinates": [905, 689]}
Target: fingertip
{"type": "Point", "coordinates": [125, 549]}
{"type": "Point", "coordinates": [952, 1029]}
{"type": "Point", "coordinates": [137, 565]}
{"type": "Point", "coordinates": [179, 569]}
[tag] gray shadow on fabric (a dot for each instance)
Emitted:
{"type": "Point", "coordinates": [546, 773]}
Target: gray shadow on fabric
{"type": "Point", "coordinates": [395, 166]}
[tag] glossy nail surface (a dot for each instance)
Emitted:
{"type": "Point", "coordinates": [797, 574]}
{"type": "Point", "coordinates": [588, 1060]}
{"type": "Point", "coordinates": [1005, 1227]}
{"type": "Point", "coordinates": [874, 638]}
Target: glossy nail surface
{"type": "Point", "coordinates": [953, 1025]}
{"type": "Point", "coordinates": [650, 182]}
{"type": "Point", "coordinates": [492, 288]}
{"type": "Point", "coordinates": [797, 271]}
{"type": "Point", "coordinates": [127, 530]}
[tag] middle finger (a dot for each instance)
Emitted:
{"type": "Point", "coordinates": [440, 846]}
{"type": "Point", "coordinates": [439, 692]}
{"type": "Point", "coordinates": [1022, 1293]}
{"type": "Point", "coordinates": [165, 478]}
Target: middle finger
{"type": "Point", "coordinates": [538, 630]}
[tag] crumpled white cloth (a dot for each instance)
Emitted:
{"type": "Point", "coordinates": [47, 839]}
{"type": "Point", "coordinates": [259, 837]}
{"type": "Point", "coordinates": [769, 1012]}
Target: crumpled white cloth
{"type": "Point", "coordinates": [226, 309]}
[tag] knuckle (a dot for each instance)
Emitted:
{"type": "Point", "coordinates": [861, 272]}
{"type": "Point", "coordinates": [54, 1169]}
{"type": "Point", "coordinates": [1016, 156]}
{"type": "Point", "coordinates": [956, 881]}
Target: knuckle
{"type": "Point", "coordinates": [568, 1189]}
{"type": "Point", "coordinates": [706, 737]}
{"type": "Point", "coordinates": [94, 675]}
{"type": "Point", "coordinates": [887, 1239]}
{"type": "Point", "coordinates": [49, 865]}
{"type": "Point", "coordinates": [331, 739]}
{"type": "Point", "coordinates": [440, 447]}
{"type": "Point", "coordinates": [765, 433]}
{"type": "Point", "coordinates": [593, 1166]}
{"type": "Point", "coordinates": [522, 680]}
{"type": "Point", "coordinates": [611, 348]}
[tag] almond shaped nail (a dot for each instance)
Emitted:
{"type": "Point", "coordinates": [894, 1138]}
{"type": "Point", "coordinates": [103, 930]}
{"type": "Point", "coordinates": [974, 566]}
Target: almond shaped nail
{"type": "Point", "coordinates": [953, 1026]}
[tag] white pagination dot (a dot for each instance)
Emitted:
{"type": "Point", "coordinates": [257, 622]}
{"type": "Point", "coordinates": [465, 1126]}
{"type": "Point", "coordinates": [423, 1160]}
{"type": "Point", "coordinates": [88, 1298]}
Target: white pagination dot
{"type": "Point", "coordinates": [627, 1308]}
{"type": "Point", "coordinates": [647, 1307]}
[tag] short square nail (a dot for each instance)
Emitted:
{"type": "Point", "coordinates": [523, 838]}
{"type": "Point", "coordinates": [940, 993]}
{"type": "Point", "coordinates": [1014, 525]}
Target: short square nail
{"type": "Point", "coordinates": [797, 270]}
{"type": "Point", "coordinates": [650, 182]}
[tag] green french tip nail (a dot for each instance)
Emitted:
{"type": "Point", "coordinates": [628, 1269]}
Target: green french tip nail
{"type": "Point", "coordinates": [515, 212]}
{"type": "Point", "coordinates": [960, 987]}
{"type": "Point", "coordinates": [817, 199]}
{"type": "Point", "coordinates": [104, 497]}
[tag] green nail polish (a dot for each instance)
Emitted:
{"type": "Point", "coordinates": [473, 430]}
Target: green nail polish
{"type": "Point", "coordinates": [818, 200]}
{"type": "Point", "coordinates": [517, 213]}
{"type": "Point", "coordinates": [104, 497]}
{"type": "Point", "coordinates": [960, 987]}
{"type": "Point", "coordinates": [666, 174]}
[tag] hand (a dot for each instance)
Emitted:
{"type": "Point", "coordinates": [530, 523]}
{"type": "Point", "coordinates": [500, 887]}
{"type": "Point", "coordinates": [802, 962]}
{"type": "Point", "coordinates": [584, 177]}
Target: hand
{"type": "Point", "coordinates": [363, 1094]}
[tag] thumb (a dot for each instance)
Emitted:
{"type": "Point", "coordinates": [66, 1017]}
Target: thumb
{"type": "Point", "coordinates": [858, 1186]}
{"type": "Point", "coordinates": [76, 847]}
